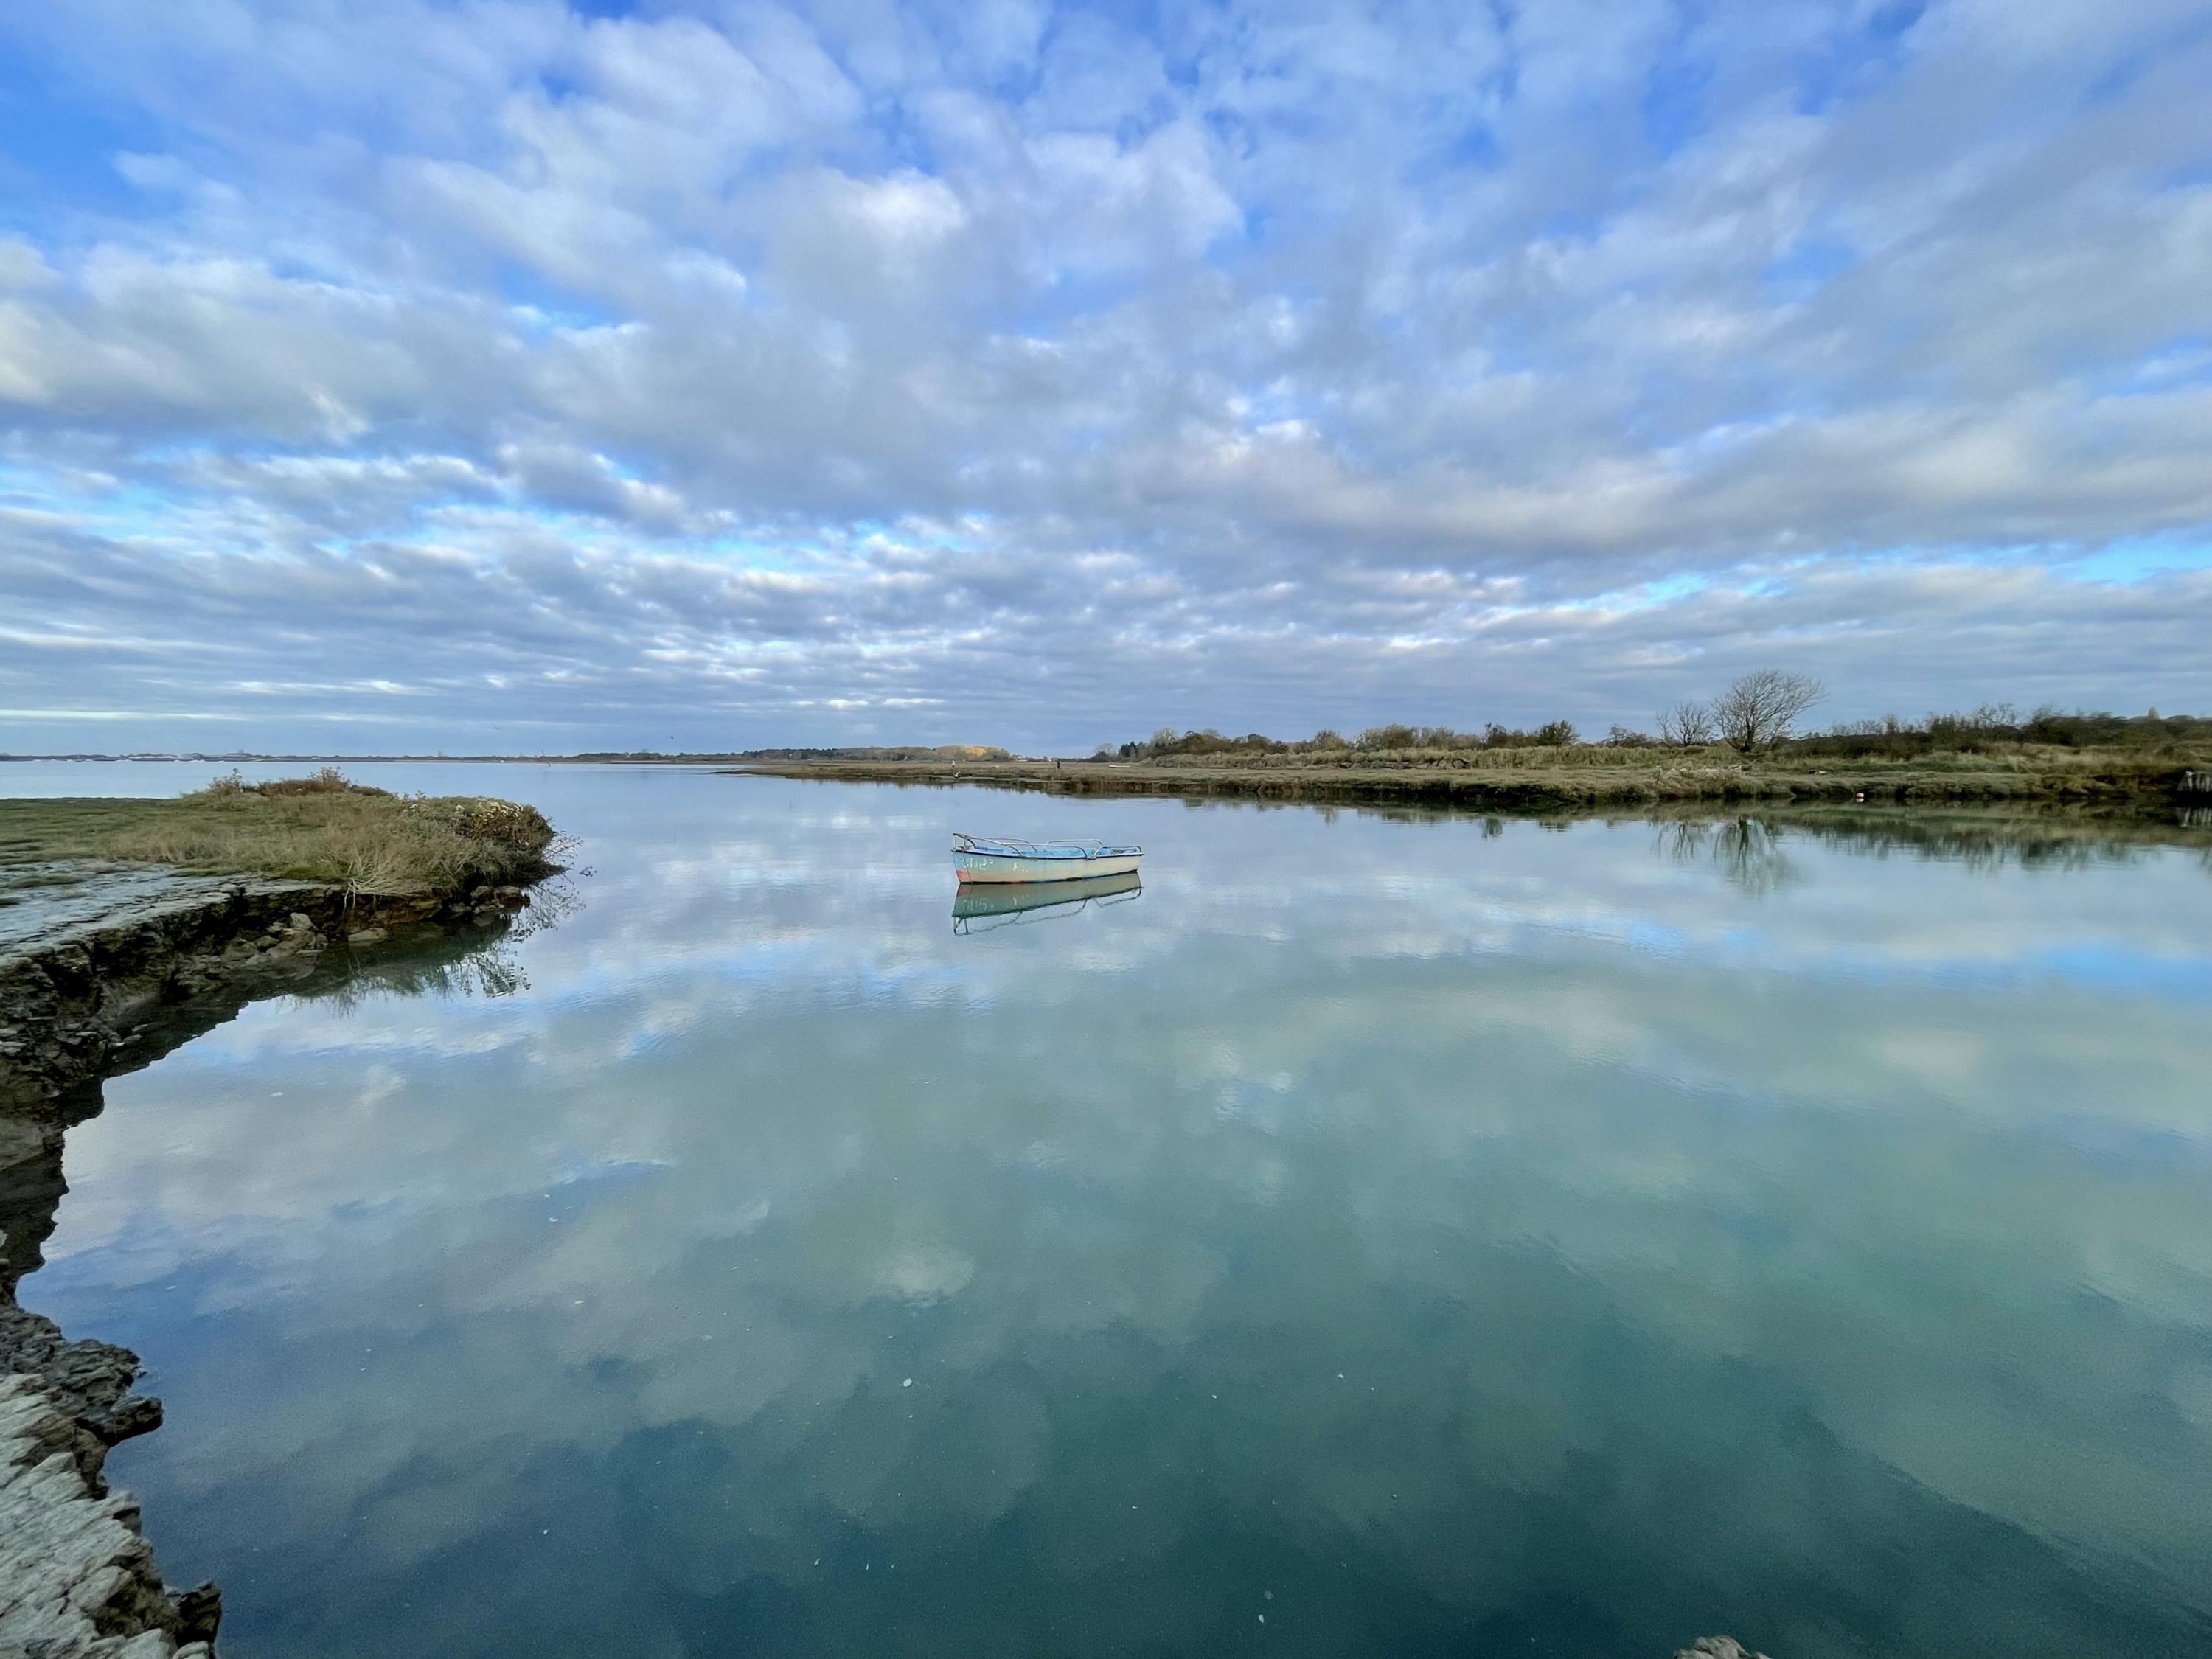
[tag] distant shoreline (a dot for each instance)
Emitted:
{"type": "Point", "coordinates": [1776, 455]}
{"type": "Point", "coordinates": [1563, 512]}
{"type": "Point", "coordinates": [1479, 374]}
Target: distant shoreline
{"type": "Point", "coordinates": [733, 759]}
{"type": "Point", "coordinates": [1528, 780]}
{"type": "Point", "coordinates": [943, 754]}
{"type": "Point", "coordinates": [1522, 781]}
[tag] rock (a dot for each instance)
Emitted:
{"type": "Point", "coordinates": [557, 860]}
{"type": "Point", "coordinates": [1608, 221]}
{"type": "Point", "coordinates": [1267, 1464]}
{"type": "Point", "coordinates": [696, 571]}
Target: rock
{"type": "Point", "coordinates": [367, 935]}
{"type": "Point", "coordinates": [1717, 1647]}
{"type": "Point", "coordinates": [199, 1610]}
{"type": "Point", "coordinates": [300, 937]}
{"type": "Point", "coordinates": [89, 1380]}
{"type": "Point", "coordinates": [76, 1577]}
{"type": "Point", "coordinates": [513, 897]}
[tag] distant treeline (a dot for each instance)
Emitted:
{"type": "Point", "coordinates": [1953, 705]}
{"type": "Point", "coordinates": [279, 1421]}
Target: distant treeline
{"type": "Point", "coordinates": [946, 751]}
{"type": "Point", "coordinates": [1168, 742]}
{"type": "Point", "coordinates": [1997, 723]}
{"type": "Point", "coordinates": [1689, 727]}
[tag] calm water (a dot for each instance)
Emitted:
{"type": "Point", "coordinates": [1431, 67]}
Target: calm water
{"type": "Point", "coordinates": [1379, 1237]}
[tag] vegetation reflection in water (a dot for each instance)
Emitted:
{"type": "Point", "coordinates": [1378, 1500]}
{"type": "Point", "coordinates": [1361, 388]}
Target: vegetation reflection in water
{"type": "Point", "coordinates": [1421, 1235]}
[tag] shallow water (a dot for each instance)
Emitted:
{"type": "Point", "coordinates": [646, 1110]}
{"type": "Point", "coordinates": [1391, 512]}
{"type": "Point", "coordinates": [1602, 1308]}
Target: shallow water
{"type": "Point", "coordinates": [1380, 1236]}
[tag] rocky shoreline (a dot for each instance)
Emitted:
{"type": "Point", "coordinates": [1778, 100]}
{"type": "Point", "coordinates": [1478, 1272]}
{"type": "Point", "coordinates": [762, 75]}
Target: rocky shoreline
{"type": "Point", "coordinates": [131, 967]}
{"type": "Point", "coordinates": [77, 1003]}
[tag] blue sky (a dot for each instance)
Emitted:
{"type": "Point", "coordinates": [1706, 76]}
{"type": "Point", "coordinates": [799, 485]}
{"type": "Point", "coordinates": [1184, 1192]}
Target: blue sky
{"type": "Point", "coordinates": [521, 376]}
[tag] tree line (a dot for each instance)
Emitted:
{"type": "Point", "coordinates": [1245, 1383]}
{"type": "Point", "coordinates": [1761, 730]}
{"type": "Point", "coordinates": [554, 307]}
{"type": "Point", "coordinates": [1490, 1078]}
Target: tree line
{"type": "Point", "coordinates": [1759, 713]}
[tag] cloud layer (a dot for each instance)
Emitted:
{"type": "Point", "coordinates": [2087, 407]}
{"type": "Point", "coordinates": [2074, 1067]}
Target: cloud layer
{"type": "Point", "coordinates": [499, 375]}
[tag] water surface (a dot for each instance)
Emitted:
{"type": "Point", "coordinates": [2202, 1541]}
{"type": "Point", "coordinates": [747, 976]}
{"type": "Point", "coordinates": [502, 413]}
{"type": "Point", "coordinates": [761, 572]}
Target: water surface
{"type": "Point", "coordinates": [1382, 1235]}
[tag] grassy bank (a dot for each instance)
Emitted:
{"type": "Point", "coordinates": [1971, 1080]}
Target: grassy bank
{"type": "Point", "coordinates": [1539, 779]}
{"type": "Point", "coordinates": [375, 844]}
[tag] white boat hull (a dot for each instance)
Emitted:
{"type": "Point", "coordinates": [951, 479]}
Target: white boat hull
{"type": "Point", "coordinates": [989, 867]}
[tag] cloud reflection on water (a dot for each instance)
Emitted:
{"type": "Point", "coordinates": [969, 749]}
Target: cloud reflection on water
{"type": "Point", "coordinates": [1822, 1258]}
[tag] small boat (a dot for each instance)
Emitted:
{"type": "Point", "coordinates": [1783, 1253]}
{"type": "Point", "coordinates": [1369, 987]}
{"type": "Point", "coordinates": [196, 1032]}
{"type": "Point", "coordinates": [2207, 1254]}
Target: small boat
{"type": "Point", "coordinates": [996, 904]}
{"type": "Point", "coordinates": [979, 859]}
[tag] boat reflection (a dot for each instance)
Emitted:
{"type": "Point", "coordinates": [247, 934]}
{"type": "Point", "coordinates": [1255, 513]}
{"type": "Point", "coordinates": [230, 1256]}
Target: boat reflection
{"type": "Point", "coordinates": [979, 906]}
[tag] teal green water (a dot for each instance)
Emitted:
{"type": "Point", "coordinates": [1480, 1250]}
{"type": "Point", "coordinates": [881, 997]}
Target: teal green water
{"type": "Point", "coordinates": [1378, 1236]}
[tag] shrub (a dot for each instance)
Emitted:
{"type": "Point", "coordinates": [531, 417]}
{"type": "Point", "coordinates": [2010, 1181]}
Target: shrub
{"type": "Point", "coordinates": [1394, 736]}
{"type": "Point", "coordinates": [328, 781]}
{"type": "Point", "coordinates": [1553, 734]}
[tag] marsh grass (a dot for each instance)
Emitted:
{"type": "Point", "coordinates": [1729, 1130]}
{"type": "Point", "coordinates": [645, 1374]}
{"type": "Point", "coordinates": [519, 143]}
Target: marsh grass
{"type": "Point", "coordinates": [378, 845]}
{"type": "Point", "coordinates": [1585, 776]}
{"type": "Point", "coordinates": [1713, 769]}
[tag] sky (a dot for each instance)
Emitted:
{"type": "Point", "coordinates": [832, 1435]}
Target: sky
{"type": "Point", "coordinates": [504, 376]}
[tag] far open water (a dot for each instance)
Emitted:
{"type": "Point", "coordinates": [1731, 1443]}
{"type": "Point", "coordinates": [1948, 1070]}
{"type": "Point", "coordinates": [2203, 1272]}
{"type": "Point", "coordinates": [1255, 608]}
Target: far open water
{"type": "Point", "coordinates": [1381, 1236]}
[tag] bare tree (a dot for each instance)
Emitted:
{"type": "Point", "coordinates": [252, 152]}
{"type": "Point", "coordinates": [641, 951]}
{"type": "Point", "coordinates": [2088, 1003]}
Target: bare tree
{"type": "Point", "coordinates": [1759, 708]}
{"type": "Point", "coordinates": [1686, 725]}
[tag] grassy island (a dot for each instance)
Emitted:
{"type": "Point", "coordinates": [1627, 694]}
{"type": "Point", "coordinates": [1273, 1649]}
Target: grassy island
{"type": "Point", "coordinates": [375, 844]}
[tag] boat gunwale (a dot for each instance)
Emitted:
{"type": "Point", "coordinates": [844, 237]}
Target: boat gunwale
{"type": "Point", "coordinates": [991, 847]}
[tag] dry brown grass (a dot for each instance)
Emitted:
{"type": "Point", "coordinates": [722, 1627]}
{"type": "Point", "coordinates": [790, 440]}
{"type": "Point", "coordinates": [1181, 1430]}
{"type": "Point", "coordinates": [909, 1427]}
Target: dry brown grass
{"type": "Point", "coordinates": [1570, 776]}
{"type": "Point", "coordinates": [323, 828]}
{"type": "Point", "coordinates": [1710, 761]}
